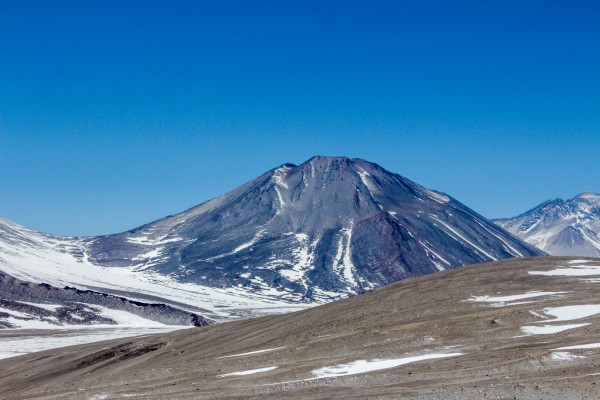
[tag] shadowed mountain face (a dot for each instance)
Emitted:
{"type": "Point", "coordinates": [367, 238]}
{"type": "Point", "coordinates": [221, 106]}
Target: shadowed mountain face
{"type": "Point", "coordinates": [559, 227]}
{"type": "Point", "coordinates": [525, 328]}
{"type": "Point", "coordinates": [329, 227]}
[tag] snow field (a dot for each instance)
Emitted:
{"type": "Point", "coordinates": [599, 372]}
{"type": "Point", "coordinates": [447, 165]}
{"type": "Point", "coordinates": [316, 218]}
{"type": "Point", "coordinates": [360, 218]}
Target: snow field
{"type": "Point", "coordinates": [253, 352]}
{"type": "Point", "coordinates": [364, 366]}
{"type": "Point", "coordinates": [548, 329]}
{"type": "Point", "coordinates": [580, 347]}
{"type": "Point", "coordinates": [507, 300]}
{"type": "Point", "coordinates": [247, 372]}
{"type": "Point", "coordinates": [575, 270]}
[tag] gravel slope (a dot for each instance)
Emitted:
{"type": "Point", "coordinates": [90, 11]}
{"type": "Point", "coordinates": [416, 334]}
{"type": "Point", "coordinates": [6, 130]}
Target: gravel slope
{"type": "Point", "coordinates": [475, 324]}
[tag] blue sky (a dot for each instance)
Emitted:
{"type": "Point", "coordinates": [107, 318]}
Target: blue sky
{"type": "Point", "coordinates": [116, 113]}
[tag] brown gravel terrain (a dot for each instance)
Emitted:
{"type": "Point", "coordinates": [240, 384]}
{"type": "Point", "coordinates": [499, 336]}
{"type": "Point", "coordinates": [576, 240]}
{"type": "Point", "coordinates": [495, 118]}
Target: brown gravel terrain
{"type": "Point", "coordinates": [477, 349]}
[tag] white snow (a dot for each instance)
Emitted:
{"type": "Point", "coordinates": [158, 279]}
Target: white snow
{"type": "Point", "coordinates": [98, 397]}
{"type": "Point", "coordinates": [155, 253]}
{"type": "Point", "coordinates": [546, 228]}
{"type": "Point", "coordinates": [255, 239]}
{"type": "Point", "coordinates": [149, 241]}
{"type": "Point", "coordinates": [455, 232]}
{"type": "Point", "coordinates": [585, 270]}
{"type": "Point", "coordinates": [253, 352]}
{"type": "Point", "coordinates": [507, 246]}
{"type": "Point", "coordinates": [18, 345]}
{"type": "Point", "coordinates": [290, 274]}
{"type": "Point", "coordinates": [580, 347]}
{"type": "Point", "coordinates": [49, 307]}
{"type": "Point", "coordinates": [124, 318]}
{"type": "Point", "coordinates": [563, 356]}
{"type": "Point", "coordinates": [279, 197]}
{"type": "Point", "coordinates": [248, 372]}
{"type": "Point", "coordinates": [14, 313]}
{"type": "Point", "coordinates": [363, 366]}
{"type": "Point", "coordinates": [348, 266]}
{"type": "Point", "coordinates": [560, 314]}
{"type": "Point", "coordinates": [31, 323]}
{"type": "Point", "coordinates": [139, 240]}
{"type": "Point", "coordinates": [363, 177]}
{"type": "Point", "coordinates": [431, 253]}
{"type": "Point", "coordinates": [569, 313]}
{"type": "Point", "coordinates": [439, 197]}
{"type": "Point", "coordinates": [342, 262]}
{"type": "Point", "coordinates": [505, 300]}
{"type": "Point", "coordinates": [512, 303]}
{"type": "Point", "coordinates": [549, 329]}
{"type": "Point", "coordinates": [278, 177]}
{"type": "Point", "coordinates": [41, 258]}
{"type": "Point", "coordinates": [302, 258]}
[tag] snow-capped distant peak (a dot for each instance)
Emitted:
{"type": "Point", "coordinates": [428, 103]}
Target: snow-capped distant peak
{"type": "Point", "coordinates": [561, 227]}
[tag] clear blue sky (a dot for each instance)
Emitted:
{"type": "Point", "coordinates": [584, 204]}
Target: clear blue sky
{"type": "Point", "coordinates": [116, 113]}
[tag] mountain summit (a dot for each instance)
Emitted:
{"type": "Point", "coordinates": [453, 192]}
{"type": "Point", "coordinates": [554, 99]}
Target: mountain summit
{"type": "Point", "coordinates": [331, 225]}
{"type": "Point", "coordinates": [328, 228]}
{"type": "Point", "coordinates": [559, 227]}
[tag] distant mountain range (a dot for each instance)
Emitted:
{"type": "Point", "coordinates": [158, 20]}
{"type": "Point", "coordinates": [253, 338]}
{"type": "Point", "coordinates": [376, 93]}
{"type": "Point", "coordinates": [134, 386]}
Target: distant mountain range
{"type": "Point", "coordinates": [295, 236]}
{"type": "Point", "coordinates": [559, 227]}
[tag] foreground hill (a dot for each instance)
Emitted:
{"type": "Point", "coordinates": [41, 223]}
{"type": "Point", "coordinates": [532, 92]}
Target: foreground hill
{"type": "Point", "coordinates": [561, 227]}
{"type": "Point", "coordinates": [525, 328]}
{"type": "Point", "coordinates": [295, 236]}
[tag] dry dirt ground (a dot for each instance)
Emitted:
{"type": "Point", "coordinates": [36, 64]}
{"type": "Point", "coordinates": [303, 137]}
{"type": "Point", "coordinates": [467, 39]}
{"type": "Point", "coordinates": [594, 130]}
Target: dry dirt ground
{"type": "Point", "coordinates": [495, 355]}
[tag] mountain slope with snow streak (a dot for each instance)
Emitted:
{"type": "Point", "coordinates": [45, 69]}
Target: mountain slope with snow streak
{"type": "Point", "coordinates": [61, 261]}
{"type": "Point", "coordinates": [559, 227]}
